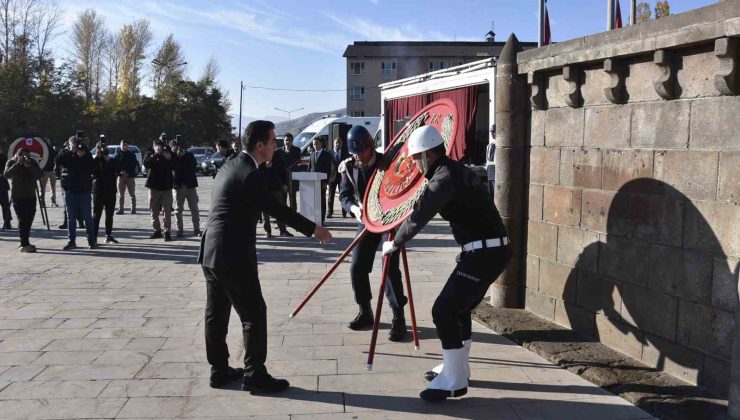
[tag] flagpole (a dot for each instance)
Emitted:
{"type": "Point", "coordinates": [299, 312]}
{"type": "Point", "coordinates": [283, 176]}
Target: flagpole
{"type": "Point", "coordinates": [609, 15]}
{"type": "Point", "coordinates": [633, 12]}
{"type": "Point", "coordinates": [541, 30]}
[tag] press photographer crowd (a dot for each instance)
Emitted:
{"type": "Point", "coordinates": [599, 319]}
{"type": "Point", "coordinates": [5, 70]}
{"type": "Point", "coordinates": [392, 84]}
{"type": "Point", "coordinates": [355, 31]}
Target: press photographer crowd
{"type": "Point", "coordinates": [91, 179]}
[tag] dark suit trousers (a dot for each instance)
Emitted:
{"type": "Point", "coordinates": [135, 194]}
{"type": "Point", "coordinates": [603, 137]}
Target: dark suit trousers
{"type": "Point", "coordinates": [363, 257]}
{"type": "Point", "coordinates": [323, 201]}
{"type": "Point", "coordinates": [5, 204]}
{"type": "Point", "coordinates": [332, 193]}
{"type": "Point", "coordinates": [103, 201]}
{"type": "Point", "coordinates": [279, 196]}
{"type": "Point", "coordinates": [241, 289]}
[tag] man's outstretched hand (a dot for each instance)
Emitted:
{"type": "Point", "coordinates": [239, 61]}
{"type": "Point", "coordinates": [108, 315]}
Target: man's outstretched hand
{"type": "Point", "coordinates": [322, 234]}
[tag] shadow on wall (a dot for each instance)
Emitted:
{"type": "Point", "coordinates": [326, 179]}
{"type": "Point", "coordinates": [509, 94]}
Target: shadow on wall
{"type": "Point", "coordinates": [659, 288]}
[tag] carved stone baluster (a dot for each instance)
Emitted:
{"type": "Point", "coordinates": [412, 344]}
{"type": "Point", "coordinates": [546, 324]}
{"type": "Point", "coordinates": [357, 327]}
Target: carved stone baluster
{"type": "Point", "coordinates": [537, 92]}
{"type": "Point", "coordinates": [727, 80]}
{"type": "Point", "coordinates": [571, 75]}
{"type": "Point", "coordinates": [616, 92]}
{"type": "Point", "coordinates": [665, 84]}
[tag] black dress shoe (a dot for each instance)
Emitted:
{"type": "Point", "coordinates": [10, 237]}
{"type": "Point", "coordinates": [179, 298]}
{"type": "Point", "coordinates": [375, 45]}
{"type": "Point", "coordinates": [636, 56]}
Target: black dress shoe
{"type": "Point", "coordinates": [441, 394]}
{"type": "Point", "coordinates": [133, 211]}
{"type": "Point", "coordinates": [62, 226]}
{"type": "Point", "coordinates": [286, 233]}
{"type": "Point", "coordinates": [268, 235]}
{"type": "Point", "coordinates": [110, 240]}
{"type": "Point", "coordinates": [70, 245]}
{"type": "Point", "coordinates": [398, 327]}
{"type": "Point", "coordinates": [264, 385]}
{"type": "Point", "coordinates": [167, 237]}
{"type": "Point", "coordinates": [156, 235]}
{"type": "Point", "coordinates": [220, 378]}
{"type": "Point", "coordinates": [119, 212]}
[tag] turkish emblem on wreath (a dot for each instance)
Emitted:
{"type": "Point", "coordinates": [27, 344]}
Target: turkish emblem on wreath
{"type": "Point", "coordinates": [37, 146]}
{"type": "Point", "coordinates": [397, 184]}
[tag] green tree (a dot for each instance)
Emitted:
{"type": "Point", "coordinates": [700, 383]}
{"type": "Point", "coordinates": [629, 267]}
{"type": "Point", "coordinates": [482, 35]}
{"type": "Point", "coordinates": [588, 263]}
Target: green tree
{"type": "Point", "coordinates": [662, 9]}
{"type": "Point", "coordinates": [643, 12]}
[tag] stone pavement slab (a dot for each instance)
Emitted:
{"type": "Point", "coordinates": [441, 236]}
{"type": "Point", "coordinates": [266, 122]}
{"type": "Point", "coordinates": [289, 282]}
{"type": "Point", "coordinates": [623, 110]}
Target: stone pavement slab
{"type": "Point", "coordinates": [117, 332]}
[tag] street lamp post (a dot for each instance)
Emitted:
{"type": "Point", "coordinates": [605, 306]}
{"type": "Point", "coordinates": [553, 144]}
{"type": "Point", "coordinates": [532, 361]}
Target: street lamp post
{"type": "Point", "coordinates": [289, 112]}
{"type": "Point", "coordinates": [241, 92]}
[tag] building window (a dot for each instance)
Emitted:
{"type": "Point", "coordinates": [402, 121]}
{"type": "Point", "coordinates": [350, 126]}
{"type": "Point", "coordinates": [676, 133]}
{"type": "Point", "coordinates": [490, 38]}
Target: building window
{"type": "Point", "coordinates": [357, 68]}
{"type": "Point", "coordinates": [357, 92]}
{"type": "Point", "coordinates": [388, 68]}
{"type": "Point", "coordinates": [436, 65]}
{"type": "Point", "coordinates": [455, 63]}
{"type": "Point", "coordinates": [357, 114]}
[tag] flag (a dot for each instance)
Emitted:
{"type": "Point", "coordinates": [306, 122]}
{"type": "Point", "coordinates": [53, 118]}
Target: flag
{"type": "Point", "coordinates": [618, 17]}
{"type": "Point", "coordinates": [547, 26]}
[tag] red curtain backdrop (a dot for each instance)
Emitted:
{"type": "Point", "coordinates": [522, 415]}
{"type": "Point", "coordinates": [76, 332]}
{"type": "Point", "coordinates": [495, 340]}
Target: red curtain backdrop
{"type": "Point", "coordinates": [466, 99]}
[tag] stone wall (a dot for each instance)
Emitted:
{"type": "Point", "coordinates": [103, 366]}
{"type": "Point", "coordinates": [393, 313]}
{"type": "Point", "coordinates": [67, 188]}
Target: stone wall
{"type": "Point", "coordinates": [633, 229]}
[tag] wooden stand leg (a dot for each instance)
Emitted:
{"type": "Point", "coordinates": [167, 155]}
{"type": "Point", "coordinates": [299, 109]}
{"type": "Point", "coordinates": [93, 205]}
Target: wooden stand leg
{"type": "Point", "coordinates": [411, 297]}
{"type": "Point", "coordinates": [379, 306]}
{"type": "Point", "coordinates": [328, 273]}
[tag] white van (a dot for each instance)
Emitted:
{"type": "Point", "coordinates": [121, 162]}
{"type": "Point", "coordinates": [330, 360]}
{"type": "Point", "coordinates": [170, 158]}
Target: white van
{"type": "Point", "coordinates": [321, 128]}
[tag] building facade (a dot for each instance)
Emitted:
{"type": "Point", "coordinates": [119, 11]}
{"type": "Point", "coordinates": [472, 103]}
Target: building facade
{"type": "Point", "coordinates": [371, 63]}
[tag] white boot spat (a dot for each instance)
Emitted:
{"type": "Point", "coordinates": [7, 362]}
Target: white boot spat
{"type": "Point", "coordinates": [431, 374]}
{"type": "Point", "coordinates": [452, 381]}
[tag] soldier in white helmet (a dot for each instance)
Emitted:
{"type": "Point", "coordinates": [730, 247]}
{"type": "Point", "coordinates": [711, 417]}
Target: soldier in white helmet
{"type": "Point", "coordinates": [460, 197]}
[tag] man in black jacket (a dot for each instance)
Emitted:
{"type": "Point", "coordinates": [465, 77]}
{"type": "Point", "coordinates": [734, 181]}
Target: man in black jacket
{"type": "Point", "coordinates": [321, 162]}
{"type": "Point", "coordinates": [128, 166]}
{"type": "Point", "coordinates": [228, 254]}
{"type": "Point", "coordinates": [185, 184]}
{"type": "Point", "coordinates": [104, 190]}
{"type": "Point", "coordinates": [4, 188]}
{"type": "Point", "coordinates": [75, 166]}
{"type": "Point", "coordinates": [355, 173]}
{"type": "Point", "coordinates": [25, 173]}
{"type": "Point", "coordinates": [159, 180]}
{"type": "Point", "coordinates": [277, 185]}
{"type": "Point", "coordinates": [337, 156]}
{"type": "Point", "coordinates": [291, 156]}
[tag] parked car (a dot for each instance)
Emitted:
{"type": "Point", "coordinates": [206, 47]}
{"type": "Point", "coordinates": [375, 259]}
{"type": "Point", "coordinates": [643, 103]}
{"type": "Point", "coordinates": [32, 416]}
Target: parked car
{"type": "Point", "coordinates": [140, 169]}
{"type": "Point", "coordinates": [201, 155]}
{"type": "Point", "coordinates": [211, 165]}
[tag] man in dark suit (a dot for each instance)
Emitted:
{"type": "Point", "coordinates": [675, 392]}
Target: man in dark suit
{"type": "Point", "coordinates": [291, 157]}
{"type": "Point", "coordinates": [228, 254]}
{"type": "Point", "coordinates": [321, 162]}
{"type": "Point", "coordinates": [337, 156]}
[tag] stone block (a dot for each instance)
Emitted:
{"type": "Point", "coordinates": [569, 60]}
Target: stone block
{"type": "Point", "coordinates": [716, 376]}
{"type": "Point", "coordinates": [555, 90]}
{"type": "Point", "coordinates": [595, 210]}
{"type": "Point", "coordinates": [672, 358]}
{"type": "Point", "coordinates": [508, 198]}
{"type": "Point", "coordinates": [696, 70]}
{"type": "Point", "coordinates": [624, 259]}
{"type": "Point", "coordinates": [693, 173]}
{"type": "Point", "coordinates": [598, 294]}
{"type": "Point", "coordinates": [682, 273]}
{"type": "Point", "coordinates": [619, 336]}
{"type": "Point", "coordinates": [533, 272]}
{"type": "Point", "coordinates": [729, 177]}
{"type": "Point", "coordinates": [622, 166]}
{"type": "Point", "coordinates": [653, 218]}
{"type": "Point", "coordinates": [540, 304]}
{"type": "Point", "coordinates": [592, 89]}
{"type": "Point", "coordinates": [639, 81]}
{"type": "Point", "coordinates": [556, 281]}
{"type": "Point", "coordinates": [580, 167]}
{"type": "Point", "coordinates": [578, 248]}
{"type": "Point", "coordinates": [724, 283]}
{"type": "Point", "coordinates": [607, 126]}
{"type": "Point", "coordinates": [537, 128]}
{"type": "Point", "coordinates": [542, 240]}
{"type": "Point", "coordinates": [535, 202]}
{"type": "Point", "coordinates": [577, 319]}
{"type": "Point", "coordinates": [660, 125]}
{"type": "Point", "coordinates": [705, 328]}
{"type": "Point", "coordinates": [639, 306]}
{"type": "Point", "coordinates": [715, 124]}
{"type": "Point", "coordinates": [713, 227]}
{"type": "Point", "coordinates": [509, 164]}
{"type": "Point", "coordinates": [562, 206]}
{"type": "Point", "coordinates": [544, 164]}
{"type": "Point", "coordinates": [564, 127]}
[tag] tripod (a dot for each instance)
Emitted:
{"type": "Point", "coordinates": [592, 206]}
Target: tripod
{"type": "Point", "coordinates": [379, 307]}
{"type": "Point", "coordinates": [42, 206]}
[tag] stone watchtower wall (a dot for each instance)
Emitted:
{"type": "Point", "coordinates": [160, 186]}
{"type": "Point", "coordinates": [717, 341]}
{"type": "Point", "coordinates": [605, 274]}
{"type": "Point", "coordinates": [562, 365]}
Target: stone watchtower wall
{"type": "Point", "coordinates": [631, 167]}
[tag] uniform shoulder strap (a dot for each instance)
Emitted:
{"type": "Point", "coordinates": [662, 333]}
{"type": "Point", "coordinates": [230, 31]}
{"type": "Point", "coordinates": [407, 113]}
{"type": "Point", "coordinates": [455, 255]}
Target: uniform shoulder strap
{"type": "Point", "coordinates": [343, 165]}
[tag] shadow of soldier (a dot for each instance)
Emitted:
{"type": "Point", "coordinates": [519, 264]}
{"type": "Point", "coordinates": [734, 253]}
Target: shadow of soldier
{"type": "Point", "coordinates": [658, 286]}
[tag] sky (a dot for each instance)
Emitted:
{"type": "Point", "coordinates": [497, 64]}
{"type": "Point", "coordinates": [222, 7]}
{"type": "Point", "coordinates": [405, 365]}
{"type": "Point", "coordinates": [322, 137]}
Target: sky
{"type": "Point", "coordinates": [298, 44]}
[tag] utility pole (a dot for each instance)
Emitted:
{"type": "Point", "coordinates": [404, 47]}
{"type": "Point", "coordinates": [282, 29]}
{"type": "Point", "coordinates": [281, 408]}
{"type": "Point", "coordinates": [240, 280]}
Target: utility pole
{"type": "Point", "coordinates": [289, 112]}
{"type": "Point", "coordinates": [609, 15]}
{"type": "Point", "coordinates": [241, 91]}
{"type": "Point", "coordinates": [541, 26]}
{"type": "Point", "coordinates": [633, 12]}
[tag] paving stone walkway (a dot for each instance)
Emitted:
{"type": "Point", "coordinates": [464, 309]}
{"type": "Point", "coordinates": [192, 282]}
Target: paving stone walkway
{"type": "Point", "coordinates": [117, 332]}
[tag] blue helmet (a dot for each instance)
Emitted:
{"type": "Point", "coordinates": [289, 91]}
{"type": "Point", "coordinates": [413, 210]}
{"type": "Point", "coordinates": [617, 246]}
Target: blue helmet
{"type": "Point", "coordinates": [359, 139]}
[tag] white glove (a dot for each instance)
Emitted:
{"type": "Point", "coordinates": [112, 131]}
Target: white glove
{"type": "Point", "coordinates": [389, 247]}
{"type": "Point", "coordinates": [357, 212]}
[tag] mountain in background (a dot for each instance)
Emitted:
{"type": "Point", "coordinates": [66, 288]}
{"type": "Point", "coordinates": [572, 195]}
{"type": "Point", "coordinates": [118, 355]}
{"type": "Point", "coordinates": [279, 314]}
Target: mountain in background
{"type": "Point", "coordinates": [281, 123]}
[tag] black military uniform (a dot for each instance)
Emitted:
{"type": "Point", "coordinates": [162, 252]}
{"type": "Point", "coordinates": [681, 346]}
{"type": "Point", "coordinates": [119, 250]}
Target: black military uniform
{"type": "Point", "coordinates": [355, 177]}
{"type": "Point", "coordinates": [105, 173]}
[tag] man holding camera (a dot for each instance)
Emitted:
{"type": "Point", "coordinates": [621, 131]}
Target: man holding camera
{"type": "Point", "coordinates": [185, 183]}
{"type": "Point", "coordinates": [104, 190]}
{"type": "Point", "coordinates": [291, 157]}
{"type": "Point", "coordinates": [75, 165]}
{"type": "Point", "coordinates": [24, 172]}
{"type": "Point", "coordinates": [159, 180]}
{"type": "Point", "coordinates": [127, 164]}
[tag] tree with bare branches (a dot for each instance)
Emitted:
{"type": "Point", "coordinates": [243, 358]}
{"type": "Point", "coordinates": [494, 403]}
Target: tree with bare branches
{"type": "Point", "coordinates": [88, 40]}
{"type": "Point", "coordinates": [168, 65]}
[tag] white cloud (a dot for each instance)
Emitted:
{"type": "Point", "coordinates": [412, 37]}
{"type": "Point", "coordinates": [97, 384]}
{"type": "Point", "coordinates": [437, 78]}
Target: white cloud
{"type": "Point", "coordinates": [371, 31]}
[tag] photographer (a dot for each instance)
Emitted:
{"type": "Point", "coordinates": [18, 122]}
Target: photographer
{"type": "Point", "coordinates": [185, 184]}
{"type": "Point", "coordinates": [127, 163]}
{"type": "Point", "coordinates": [104, 190]}
{"type": "Point", "coordinates": [23, 171]}
{"type": "Point", "coordinates": [75, 167]}
{"type": "Point", "coordinates": [159, 180]}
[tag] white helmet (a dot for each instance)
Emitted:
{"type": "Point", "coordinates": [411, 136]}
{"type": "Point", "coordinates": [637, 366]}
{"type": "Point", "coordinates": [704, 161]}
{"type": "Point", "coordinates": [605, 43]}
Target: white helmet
{"type": "Point", "coordinates": [424, 138]}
